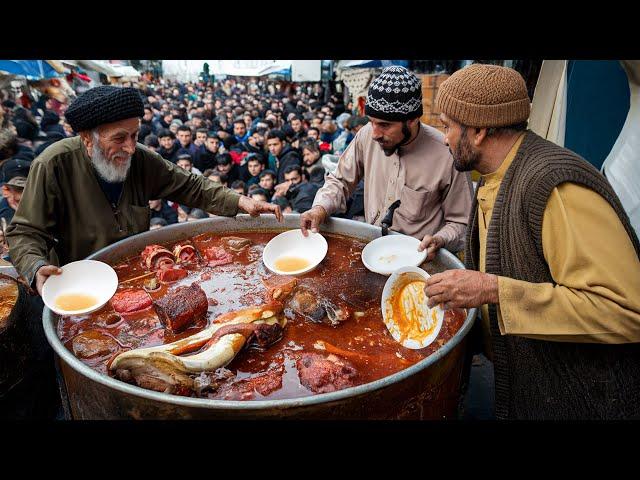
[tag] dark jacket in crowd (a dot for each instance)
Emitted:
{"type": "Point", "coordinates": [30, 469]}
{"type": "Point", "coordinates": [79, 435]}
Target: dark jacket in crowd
{"type": "Point", "coordinates": [171, 154]}
{"type": "Point", "coordinates": [192, 150]}
{"type": "Point", "coordinates": [51, 123]}
{"type": "Point", "coordinates": [288, 156]}
{"type": "Point", "coordinates": [166, 212]}
{"type": "Point", "coordinates": [205, 160]}
{"type": "Point", "coordinates": [301, 196]}
{"type": "Point", "coordinates": [152, 124]}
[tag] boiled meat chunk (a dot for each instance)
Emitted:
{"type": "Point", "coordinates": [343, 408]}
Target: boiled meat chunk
{"type": "Point", "coordinates": [155, 257]}
{"type": "Point", "coordinates": [184, 253]}
{"type": "Point", "coordinates": [246, 389]}
{"type": "Point", "coordinates": [182, 307]}
{"type": "Point", "coordinates": [310, 304]}
{"type": "Point", "coordinates": [235, 244]}
{"type": "Point", "coordinates": [92, 343]}
{"type": "Point", "coordinates": [156, 373]}
{"type": "Point", "coordinates": [217, 256]}
{"type": "Point", "coordinates": [322, 374]}
{"type": "Point", "coordinates": [279, 287]}
{"type": "Point", "coordinates": [130, 301]}
{"type": "Point", "coordinates": [171, 274]}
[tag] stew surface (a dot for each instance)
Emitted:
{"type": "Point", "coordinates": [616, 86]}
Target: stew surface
{"type": "Point", "coordinates": [362, 341]}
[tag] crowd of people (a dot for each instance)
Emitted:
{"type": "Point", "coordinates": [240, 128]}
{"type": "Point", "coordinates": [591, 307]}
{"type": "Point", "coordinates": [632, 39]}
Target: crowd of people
{"type": "Point", "coordinates": [263, 141]}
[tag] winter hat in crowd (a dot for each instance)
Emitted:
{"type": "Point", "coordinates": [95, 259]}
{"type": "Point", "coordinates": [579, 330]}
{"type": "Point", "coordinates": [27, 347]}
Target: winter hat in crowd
{"type": "Point", "coordinates": [14, 167]}
{"type": "Point", "coordinates": [485, 96]}
{"type": "Point", "coordinates": [49, 118]}
{"type": "Point", "coordinates": [396, 95]}
{"type": "Point", "coordinates": [25, 129]}
{"type": "Point", "coordinates": [104, 104]}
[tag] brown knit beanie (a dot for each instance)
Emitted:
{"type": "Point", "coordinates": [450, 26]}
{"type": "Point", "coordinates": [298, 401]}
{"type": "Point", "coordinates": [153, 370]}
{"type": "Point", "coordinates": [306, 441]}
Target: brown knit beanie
{"type": "Point", "coordinates": [484, 96]}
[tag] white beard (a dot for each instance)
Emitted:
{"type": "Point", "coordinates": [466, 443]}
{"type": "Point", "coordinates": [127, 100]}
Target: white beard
{"type": "Point", "coordinates": [108, 170]}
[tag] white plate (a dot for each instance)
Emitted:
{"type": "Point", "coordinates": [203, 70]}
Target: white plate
{"type": "Point", "coordinates": [88, 277]}
{"type": "Point", "coordinates": [426, 321]}
{"type": "Point", "coordinates": [386, 254]}
{"type": "Point", "coordinates": [292, 243]}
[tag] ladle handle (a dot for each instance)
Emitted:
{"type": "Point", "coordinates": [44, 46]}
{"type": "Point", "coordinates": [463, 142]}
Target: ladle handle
{"type": "Point", "coordinates": [387, 221]}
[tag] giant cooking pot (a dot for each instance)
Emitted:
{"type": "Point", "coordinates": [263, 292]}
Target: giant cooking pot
{"type": "Point", "coordinates": [430, 389]}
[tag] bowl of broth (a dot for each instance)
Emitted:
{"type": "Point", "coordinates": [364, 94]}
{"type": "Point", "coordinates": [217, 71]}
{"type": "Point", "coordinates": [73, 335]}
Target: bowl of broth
{"type": "Point", "coordinates": [291, 253]}
{"type": "Point", "coordinates": [82, 287]}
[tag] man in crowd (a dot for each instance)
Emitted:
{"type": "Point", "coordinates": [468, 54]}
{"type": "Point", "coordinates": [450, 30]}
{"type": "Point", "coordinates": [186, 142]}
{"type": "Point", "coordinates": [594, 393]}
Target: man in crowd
{"type": "Point", "coordinates": [400, 159]}
{"type": "Point", "coordinates": [12, 193]}
{"type": "Point", "coordinates": [225, 165]}
{"type": "Point", "coordinates": [284, 154]}
{"type": "Point", "coordinates": [268, 181]}
{"type": "Point", "coordinates": [207, 157]}
{"type": "Point", "coordinates": [255, 165]}
{"type": "Point", "coordinates": [184, 161]}
{"type": "Point", "coordinates": [552, 260]}
{"type": "Point", "coordinates": [240, 130]}
{"type": "Point", "coordinates": [168, 146]}
{"type": "Point", "coordinates": [185, 138]}
{"type": "Point", "coordinates": [239, 187]}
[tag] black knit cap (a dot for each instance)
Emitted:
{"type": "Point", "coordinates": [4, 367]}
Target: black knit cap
{"type": "Point", "coordinates": [395, 96]}
{"type": "Point", "coordinates": [104, 104]}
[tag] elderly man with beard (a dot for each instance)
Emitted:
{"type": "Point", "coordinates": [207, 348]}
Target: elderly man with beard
{"type": "Point", "coordinates": [552, 260]}
{"type": "Point", "coordinates": [87, 192]}
{"type": "Point", "coordinates": [400, 159]}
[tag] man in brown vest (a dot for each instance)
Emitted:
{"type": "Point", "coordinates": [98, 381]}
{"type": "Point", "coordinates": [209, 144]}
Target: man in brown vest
{"type": "Point", "coordinates": [552, 260]}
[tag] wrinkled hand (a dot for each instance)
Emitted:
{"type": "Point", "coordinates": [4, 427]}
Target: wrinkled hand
{"type": "Point", "coordinates": [43, 273]}
{"type": "Point", "coordinates": [461, 289]}
{"type": "Point", "coordinates": [311, 219]}
{"type": "Point", "coordinates": [256, 207]}
{"type": "Point", "coordinates": [432, 244]}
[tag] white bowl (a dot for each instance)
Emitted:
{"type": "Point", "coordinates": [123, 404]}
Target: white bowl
{"type": "Point", "coordinates": [427, 321]}
{"type": "Point", "coordinates": [292, 243]}
{"type": "Point", "coordinates": [87, 277]}
{"type": "Point", "coordinates": [387, 254]}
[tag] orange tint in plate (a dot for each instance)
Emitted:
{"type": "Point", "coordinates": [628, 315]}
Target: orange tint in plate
{"type": "Point", "coordinates": [291, 264]}
{"type": "Point", "coordinates": [408, 317]}
{"type": "Point", "coordinates": [71, 302]}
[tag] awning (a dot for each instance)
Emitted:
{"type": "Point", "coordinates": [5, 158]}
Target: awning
{"type": "Point", "coordinates": [95, 66]}
{"type": "Point", "coordinates": [249, 68]}
{"type": "Point", "coordinates": [125, 71]}
{"type": "Point", "coordinates": [371, 63]}
{"type": "Point", "coordinates": [31, 69]}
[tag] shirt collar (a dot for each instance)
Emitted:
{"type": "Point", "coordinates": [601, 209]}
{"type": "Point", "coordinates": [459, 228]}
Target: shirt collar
{"type": "Point", "coordinates": [498, 175]}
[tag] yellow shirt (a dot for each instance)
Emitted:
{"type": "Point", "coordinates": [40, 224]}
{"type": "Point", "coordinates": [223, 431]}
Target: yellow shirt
{"type": "Point", "coordinates": [595, 296]}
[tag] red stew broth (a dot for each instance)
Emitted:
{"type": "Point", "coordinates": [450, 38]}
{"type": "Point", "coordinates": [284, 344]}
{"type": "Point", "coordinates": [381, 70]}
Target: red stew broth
{"type": "Point", "coordinates": [341, 276]}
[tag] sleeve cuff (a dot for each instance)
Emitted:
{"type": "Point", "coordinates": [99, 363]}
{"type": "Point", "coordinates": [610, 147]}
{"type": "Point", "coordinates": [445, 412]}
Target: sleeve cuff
{"type": "Point", "coordinates": [33, 270]}
{"type": "Point", "coordinates": [229, 205]}
{"type": "Point", "coordinates": [510, 293]}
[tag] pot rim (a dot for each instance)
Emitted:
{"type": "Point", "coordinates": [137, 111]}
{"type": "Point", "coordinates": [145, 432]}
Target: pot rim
{"type": "Point", "coordinates": [50, 319]}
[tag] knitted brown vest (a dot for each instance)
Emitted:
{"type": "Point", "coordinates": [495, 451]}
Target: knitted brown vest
{"type": "Point", "coordinates": [538, 379]}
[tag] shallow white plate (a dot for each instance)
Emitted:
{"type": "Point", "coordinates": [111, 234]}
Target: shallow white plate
{"type": "Point", "coordinates": [292, 243]}
{"type": "Point", "coordinates": [426, 321]}
{"type": "Point", "coordinates": [88, 277]}
{"type": "Point", "coordinates": [387, 254]}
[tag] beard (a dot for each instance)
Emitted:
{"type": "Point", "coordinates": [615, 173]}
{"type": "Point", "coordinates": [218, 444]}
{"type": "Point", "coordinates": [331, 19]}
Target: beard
{"type": "Point", "coordinates": [109, 170]}
{"type": "Point", "coordinates": [465, 158]}
{"type": "Point", "coordinates": [406, 135]}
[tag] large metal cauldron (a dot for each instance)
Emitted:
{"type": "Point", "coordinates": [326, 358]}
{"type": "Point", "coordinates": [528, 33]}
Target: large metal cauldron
{"type": "Point", "coordinates": [429, 389]}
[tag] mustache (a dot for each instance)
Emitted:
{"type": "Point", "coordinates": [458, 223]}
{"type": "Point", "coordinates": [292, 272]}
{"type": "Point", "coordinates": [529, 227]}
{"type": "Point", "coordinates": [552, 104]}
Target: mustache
{"type": "Point", "coordinates": [121, 156]}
